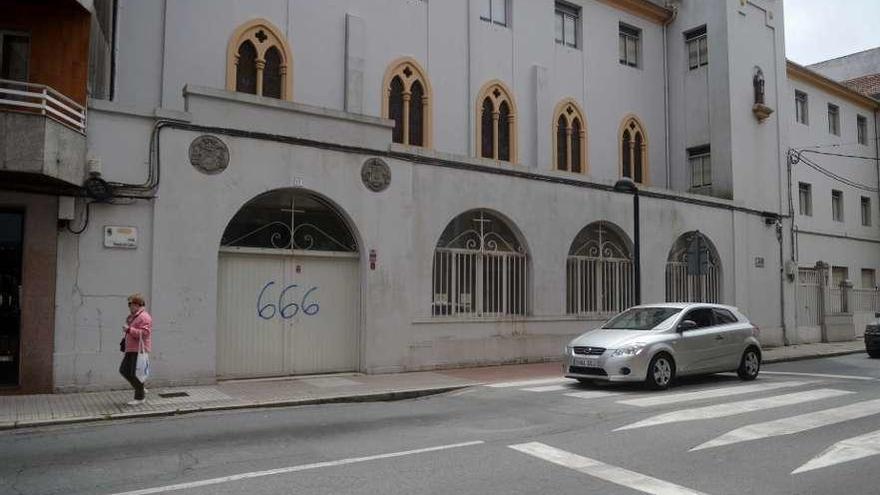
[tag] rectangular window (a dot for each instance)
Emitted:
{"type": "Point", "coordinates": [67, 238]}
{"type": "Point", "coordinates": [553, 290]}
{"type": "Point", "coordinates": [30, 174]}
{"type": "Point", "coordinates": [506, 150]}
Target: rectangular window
{"type": "Point", "coordinates": [700, 162]}
{"type": "Point", "coordinates": [805, 199]}
{"type": "Point", "coordinates": [833, 119]}
{"type": "Point", "coordinates": [800, 107]}
{"type": "Point", "coordinates": [568, 19]}
{"type": "Point", "coordinates": [697, 47]}
{"type": "Point", "coordinates": [839, 274]}
{"type": "Point", "coordinates": [494, 11]}
{"type": "Point", "coordinates": [862, 129]}
{"type": "Point", "coordinates": [630, 45]}
{"type": "Point", "coordinates": [869, 280]}
{"type": "Point", "coordinates": [14, 55]}
{"type": "Point", "coordinates": [837, 206]}
{"type": "Point", "coordinates": [866, 211]}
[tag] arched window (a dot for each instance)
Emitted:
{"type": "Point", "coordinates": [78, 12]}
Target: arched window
{"type": "Point", "coordinates": [570, 136]}
{"type": "Point", "coordinates": [259, 61]}
{"type": "Point", "coordinates": [599, 271]}
{"type": "Point", "coordinates": [406, 97]}
{"type": "Point", "coordinates": [496, 117]}
{"type": "Point", "coordinates": [480, 268]}
{"type": "Point", "coordinates": [634, 150]}
{"type": "Point", "coordinates": [693, 270]}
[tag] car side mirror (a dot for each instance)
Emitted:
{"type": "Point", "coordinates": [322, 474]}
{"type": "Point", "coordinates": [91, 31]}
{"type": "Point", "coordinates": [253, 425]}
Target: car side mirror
{"type": "Point", "coordinates": [686, 325]}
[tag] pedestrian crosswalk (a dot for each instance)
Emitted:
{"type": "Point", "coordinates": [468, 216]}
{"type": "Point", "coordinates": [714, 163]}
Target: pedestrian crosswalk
{"type": "Point", "coordinates": [836, 404]}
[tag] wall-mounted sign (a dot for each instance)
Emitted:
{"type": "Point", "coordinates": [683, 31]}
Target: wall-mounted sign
{"type": "Point", "coordinates": [209, 154]}
{"type": "Point", "coordinates": [120, 237]}
{"type": "Point", "coordinates": [759, 262]}
{"type": "Point", "coordinates": [376, 174]}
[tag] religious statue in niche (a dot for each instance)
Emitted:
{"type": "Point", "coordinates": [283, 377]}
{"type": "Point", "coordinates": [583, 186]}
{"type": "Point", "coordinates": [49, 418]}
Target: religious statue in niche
{"type": "Point", "coordinates": [760, 110]}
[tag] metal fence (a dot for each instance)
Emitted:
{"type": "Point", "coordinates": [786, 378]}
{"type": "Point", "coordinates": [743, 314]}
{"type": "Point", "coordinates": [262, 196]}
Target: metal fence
{"type": "Point", "coordinates": [598, 286]}
{"type": "Point", "coordinates": [474, 283]}
{"type": "Point", "coordinates": [40, 99]}
{"type": "Point", "coordinates": [809, 298]}
{"type": "Point", "coordinates": [681, 287]}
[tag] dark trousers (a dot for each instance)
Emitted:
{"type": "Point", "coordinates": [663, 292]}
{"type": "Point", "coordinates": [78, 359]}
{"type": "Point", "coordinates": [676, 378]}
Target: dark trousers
{"type": "Point", "coordinates": [126, 369]}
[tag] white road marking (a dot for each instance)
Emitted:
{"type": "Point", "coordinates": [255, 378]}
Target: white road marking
{"type": "Point", "coordinates": [661, 399]}
{"type": "Point", "coordinates": [819, 375]}
{"type": "Point", "coordinates": [591, 394]}
{"type": "Point", "coordinates": [795, 424]}
{"type": "Point", "coordinates": [293, 469]}
{"type": "Point", "coordinates": [847, 450]}
{"type": "Point", "coordinates": [734, 408]}
{"type": "Point", "coordinates": [547, 388]}
{"type": "Point", "coordinates": [529, 383]}
{"type": "Point", "coordinates": [606, 472]}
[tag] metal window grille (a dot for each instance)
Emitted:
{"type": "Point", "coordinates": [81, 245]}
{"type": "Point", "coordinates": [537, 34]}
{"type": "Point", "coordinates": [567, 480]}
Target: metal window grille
{"type": "Point", "coordinates": [690, 279]}
{"type": "Point", "coordinates": [480, 270]}
{"type": "Point", "coordinates": [629, 41]}
{"type": "Point", "coordinates": [599, 273]}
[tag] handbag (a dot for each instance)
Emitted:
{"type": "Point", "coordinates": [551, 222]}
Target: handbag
{"type": "Point", "coordinates": [122, 345]}
{"type": "Point", "coordinates": [142, 367]}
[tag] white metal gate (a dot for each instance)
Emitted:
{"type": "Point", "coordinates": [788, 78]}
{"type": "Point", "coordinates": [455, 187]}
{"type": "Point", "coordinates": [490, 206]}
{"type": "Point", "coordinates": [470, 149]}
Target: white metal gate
{"type": "Point", "coordinates": [283, 313]}
{"type": "Point", "coordinates": [809, 298]}
{"type": "Point", "coordinates": [693, 270]}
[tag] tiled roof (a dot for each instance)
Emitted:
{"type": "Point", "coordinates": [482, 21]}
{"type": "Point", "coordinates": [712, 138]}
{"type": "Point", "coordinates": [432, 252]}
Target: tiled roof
{"type": "Point", "coordinates": [867, 85]}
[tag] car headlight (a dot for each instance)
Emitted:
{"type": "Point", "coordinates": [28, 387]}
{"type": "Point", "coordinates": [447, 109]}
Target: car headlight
{"type": "Point", "coordinates": [629, 350]}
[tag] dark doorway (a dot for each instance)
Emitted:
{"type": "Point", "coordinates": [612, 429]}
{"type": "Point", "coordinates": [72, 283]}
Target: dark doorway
{"type": "Point", "coordinates": [11, 237]}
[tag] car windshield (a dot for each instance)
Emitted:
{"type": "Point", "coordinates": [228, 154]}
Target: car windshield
{"type": "Point", "coordinates": [641, 318]}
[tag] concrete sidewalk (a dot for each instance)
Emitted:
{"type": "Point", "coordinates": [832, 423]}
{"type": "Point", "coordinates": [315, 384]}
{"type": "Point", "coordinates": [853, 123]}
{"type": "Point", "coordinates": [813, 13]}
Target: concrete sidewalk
{"type": "Point", "coordinates": [37, 410]}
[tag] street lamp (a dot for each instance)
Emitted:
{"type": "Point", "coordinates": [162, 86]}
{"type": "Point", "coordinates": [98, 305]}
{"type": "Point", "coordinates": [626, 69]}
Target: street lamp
{"type": "Point", "coordinates": [626, 185]}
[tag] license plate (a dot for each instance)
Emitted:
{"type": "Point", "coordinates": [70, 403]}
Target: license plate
{"type": "Point", "coordinates": [586, 362]}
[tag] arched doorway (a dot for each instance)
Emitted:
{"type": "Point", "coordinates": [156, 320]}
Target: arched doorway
{"type": "Point", "coordinates": [693, 270]}
{"type": "Point", "coordinates": [288, 292]}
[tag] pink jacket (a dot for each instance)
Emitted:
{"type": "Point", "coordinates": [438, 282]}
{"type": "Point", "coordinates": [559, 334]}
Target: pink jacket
{"type": "Point", "coordinates": [139, 326]}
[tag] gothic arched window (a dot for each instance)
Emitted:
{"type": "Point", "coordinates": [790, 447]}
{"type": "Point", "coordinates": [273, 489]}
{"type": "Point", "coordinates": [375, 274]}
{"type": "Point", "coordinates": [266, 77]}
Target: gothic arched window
{"type": "Point", "coordinates": [634, 150]}
{"type": "Point", "coordinates": [496, 115]}
{"type": "Point", "coordinates": [570, 137]}
{"type": "Point", "coordinates": [406, 97]}
{"type": "Point", "coordinates": [259, 61]}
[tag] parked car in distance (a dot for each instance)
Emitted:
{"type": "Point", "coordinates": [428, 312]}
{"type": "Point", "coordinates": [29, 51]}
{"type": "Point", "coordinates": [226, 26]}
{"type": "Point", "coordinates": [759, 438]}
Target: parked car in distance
{"type": "Point", "coordinates": [656, 343]}
{"type": "Point", "coordinates": [872, 337]}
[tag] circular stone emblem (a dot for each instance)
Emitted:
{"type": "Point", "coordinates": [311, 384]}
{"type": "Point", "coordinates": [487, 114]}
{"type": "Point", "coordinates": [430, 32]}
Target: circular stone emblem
{"type": "Point", "coordinates": [376, 175]}
{"type": "Point", "coordinates": [209, 154]}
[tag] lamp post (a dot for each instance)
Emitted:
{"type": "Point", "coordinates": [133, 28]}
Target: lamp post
{"type": "Point", "coordinates": [626, 185]}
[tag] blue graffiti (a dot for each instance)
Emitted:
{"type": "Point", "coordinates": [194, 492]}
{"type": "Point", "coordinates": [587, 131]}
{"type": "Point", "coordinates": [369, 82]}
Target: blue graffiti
{"type": "Point", "coordinates": [288, 310]}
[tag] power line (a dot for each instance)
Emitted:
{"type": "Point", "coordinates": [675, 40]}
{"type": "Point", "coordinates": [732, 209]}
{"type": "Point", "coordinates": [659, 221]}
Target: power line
{"type": "Point", "coordinates": [797, 156]}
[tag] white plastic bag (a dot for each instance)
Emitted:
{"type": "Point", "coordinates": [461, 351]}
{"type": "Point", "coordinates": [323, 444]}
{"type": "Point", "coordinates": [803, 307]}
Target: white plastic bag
{"type": "Point", "coordinates": [142, 368]}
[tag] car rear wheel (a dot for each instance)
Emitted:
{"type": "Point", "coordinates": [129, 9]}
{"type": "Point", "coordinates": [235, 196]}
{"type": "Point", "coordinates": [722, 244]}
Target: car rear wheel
{"type": "Point", "coordinates": [749, 365]}
{"type": "Point", "coordinates": [660, 372]}
{"type": "Point", "coordinates": [874, 354]}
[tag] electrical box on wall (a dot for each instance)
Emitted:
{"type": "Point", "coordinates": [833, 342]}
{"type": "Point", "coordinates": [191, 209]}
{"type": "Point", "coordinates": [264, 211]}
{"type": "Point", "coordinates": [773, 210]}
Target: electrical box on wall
{"type": "Point", "coordinates": [66, 208]}
{"type": "Point", "coordinates": [120, 237]}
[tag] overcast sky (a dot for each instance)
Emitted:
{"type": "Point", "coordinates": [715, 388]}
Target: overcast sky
{"type": "Point", "coordinates": [817, 30]}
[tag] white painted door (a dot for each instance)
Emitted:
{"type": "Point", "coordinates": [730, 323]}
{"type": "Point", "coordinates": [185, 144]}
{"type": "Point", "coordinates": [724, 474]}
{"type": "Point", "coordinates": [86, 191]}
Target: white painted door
{"type": "Point", "coordinates": [281, 314]}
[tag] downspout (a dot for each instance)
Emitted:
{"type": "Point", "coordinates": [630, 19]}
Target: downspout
{"type": "Point", "coordinates": [674, 9]}
{"type": "Point", "coordinates": [877, 153]}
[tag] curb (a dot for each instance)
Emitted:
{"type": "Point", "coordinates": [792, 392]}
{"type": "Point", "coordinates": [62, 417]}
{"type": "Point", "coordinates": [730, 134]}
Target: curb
{"type": "Point", "coordinates": [785, 359]}
{"type": "Point", "coordinates": [395, 395]}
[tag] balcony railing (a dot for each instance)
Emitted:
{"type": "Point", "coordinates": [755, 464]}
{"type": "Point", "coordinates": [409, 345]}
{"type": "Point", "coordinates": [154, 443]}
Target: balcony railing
{"type": "Point", "coordinates": [41, 99]}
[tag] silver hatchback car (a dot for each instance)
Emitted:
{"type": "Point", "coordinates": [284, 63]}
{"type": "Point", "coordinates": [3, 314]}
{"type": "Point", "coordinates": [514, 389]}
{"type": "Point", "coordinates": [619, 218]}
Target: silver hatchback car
{"type": "Point", "coordinates": [656, 343]}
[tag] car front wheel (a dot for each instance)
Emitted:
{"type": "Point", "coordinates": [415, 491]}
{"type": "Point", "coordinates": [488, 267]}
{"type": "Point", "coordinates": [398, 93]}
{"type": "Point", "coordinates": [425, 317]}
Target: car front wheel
{"type": "Point", "coordinates": [660, 372]}
{"type": "Point", "coordinates": [749, 365]}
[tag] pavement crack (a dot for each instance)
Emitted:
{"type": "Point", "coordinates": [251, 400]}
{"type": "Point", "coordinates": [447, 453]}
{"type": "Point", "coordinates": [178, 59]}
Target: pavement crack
{"type": "Point", "coordinates": [187, 461]}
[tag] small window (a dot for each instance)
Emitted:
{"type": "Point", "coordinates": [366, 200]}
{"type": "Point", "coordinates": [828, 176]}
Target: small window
{"type": "Point", "coordinates": [697, 47]}
{"type": "Point", "coordinates": [833, 119]}
{"type": "Point", "coordinates": [869, 280]}
{"type": "Point", "coordinates": [14, 56]}
{"type": "Point", "coordinates": [866, 211]}
{"type": "Point", "coordinates": [630, 45]}
{"type": "Point", "coordinates": [805, 199]}
{"type": "Point", "coordinates": [839, 274]}
{"type": "Point", "coordinates": [862, 129]}
{"type": "Point", "coordinates": [837, 206]}
{"type": "Point", "coordinates": [724, 317]}
{"type": "Point", "coordinates": [800, 107]}
{"type": "Point", "coordinates": [568, 19]}
{"type": "Point", "coordinates": [700, 162]}
{"type": "Point", "coordinates": [703, 317]}
{"type": "Point", "coordinates": [495, 12]}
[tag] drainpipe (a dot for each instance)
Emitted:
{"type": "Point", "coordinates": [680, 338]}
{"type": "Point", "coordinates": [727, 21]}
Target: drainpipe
{"type": "Point", "coordinates": [666, 24]}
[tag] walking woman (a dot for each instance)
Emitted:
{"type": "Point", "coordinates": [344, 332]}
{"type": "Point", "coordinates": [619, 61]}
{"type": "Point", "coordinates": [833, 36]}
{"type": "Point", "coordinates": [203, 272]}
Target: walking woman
{"type": "Point", "coordinates": [138, 330]}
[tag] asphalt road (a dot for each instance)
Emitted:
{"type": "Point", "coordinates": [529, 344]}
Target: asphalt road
{"type": "Point", "coordinates": [806, 427]}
